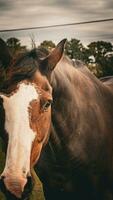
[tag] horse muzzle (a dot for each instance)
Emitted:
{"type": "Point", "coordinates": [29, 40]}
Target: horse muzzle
{"type": "Point", "coordinates": [14, 185]}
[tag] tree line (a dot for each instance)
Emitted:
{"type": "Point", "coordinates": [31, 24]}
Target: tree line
{"type": "Point", "coordinates": [98, 56]}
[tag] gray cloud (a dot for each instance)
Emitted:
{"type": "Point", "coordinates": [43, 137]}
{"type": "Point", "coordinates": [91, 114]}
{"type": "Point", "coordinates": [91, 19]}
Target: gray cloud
{"type": "Point", "coordinates": [27, 13]}
{"type": "Point", "coordinates": [108, 4]}
{"type": "Point", "coordinates": [5, 5]}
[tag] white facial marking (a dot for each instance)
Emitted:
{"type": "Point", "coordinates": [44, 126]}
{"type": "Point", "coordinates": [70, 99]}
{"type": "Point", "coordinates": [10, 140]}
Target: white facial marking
{"type": "Point", "coordinates": [18, 128]}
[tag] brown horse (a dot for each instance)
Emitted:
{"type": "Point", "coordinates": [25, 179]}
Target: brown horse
{"type": "Point", "coordinates": [77, 161]}
{"type": "Point", "coordinates": [25, 105]}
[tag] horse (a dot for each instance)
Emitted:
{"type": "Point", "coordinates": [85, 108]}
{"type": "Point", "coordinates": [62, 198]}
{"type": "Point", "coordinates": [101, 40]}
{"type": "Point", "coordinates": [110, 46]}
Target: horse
{"type": "Point", "coordinates": [57, 116]}
{"type": "Point", "coordinates": [25, 116]}
{"type": "Point", "coordinates": [77, 161]}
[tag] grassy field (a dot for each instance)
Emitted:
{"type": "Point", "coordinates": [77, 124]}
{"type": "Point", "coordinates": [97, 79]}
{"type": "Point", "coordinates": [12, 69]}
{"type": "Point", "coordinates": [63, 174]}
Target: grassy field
{"type": "Point", "coordinates": [1, 166]}
{"type": "Point", "coordinates": [37, 193]}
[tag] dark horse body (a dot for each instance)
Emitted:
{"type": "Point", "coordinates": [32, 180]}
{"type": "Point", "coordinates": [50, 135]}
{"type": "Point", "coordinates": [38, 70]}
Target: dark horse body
{"type": "Point", "coordinates": [77, 162]}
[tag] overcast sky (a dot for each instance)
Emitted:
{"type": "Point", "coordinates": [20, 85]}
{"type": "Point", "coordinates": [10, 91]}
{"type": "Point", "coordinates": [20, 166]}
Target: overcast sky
{"type": "Point", "coordinates": [30, 13]}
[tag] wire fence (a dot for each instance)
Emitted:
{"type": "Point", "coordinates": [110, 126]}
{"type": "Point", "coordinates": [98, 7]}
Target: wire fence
{"type": "Point", "coordinates": [58, 25]}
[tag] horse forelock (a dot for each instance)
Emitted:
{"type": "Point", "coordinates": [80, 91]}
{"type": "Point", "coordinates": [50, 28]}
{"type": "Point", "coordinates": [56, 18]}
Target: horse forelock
{"type": "Point", "coordinates": [22, 67]}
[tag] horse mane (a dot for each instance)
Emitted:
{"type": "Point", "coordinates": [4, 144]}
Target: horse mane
{"type": "Point", "coordinates": [70, 74]}
{"type": "Point", "coordinates": [65, 73]}
{"type": "Point", "coordinates": [26, 65]}
{"type": "Point", "coordinates": [22, 67]}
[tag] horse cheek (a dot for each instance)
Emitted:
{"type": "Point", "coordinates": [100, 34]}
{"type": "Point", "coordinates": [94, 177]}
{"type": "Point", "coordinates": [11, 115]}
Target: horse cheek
{"type": "Point", "coordinates": [35, 153]}
{"type": "Point", "coordinates": [41, 135]}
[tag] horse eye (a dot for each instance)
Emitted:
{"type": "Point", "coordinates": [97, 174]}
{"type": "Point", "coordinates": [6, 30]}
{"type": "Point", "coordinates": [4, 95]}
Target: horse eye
{"type": "Point", "coordinates": [47, 104]}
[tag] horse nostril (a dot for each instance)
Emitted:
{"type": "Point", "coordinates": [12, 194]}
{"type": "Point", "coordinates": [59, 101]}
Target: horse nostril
{"type": "Point", "coordinates": [14, 185]}
{"type": "Point", "coordinates": [24, 172]}
{"type": "Point", "coordinates": [2, 178]}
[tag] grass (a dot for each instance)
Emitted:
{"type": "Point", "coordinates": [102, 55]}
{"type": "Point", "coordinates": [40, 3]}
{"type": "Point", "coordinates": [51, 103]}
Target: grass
{"type": "Point", "coordinates": [37, 193]}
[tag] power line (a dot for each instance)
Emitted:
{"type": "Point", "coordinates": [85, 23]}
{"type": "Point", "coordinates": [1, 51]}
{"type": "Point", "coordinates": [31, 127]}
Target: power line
{"type": "Point", "coordinates": [57, 25]}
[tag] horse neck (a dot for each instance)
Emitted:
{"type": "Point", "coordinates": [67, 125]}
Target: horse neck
{"type": "Point", "coordinates": [68, 79]}
{"type": "Point", "coordinates": [73, 90]}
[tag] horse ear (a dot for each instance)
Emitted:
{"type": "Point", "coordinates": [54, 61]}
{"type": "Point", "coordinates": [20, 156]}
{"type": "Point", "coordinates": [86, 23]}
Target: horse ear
{"type": "Point", "coordinates": [5, 55]}
{"type": "Point", "coordinates": [48, 64]}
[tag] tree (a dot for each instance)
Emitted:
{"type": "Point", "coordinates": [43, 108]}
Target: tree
{"type": "Point", "coordinates": [75, 50]}
{"type": "Point", "coordinates": [14, 45]}
{"type": "Point", "coordinates": [98, 51]}
{"type": "Point", "coordinates": [48, 44]}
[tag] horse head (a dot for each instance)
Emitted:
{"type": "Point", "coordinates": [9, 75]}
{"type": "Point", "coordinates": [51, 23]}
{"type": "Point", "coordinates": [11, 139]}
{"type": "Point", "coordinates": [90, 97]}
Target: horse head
{"type": "Point", "coordinates": [25, 103]}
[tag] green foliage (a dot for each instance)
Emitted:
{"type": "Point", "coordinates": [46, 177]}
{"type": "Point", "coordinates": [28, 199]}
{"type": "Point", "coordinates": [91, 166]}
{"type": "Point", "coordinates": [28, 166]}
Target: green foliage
{"type": "Point", "coordinates": [15, 46]}
{"type": "Point", "coordinates": [37, 193]}
{"type": "Point", "coordinates": [75, 50]}
{"type": "Point", "coordinates": [2, 159]}
{"type": "Point", "coordinates": [2, 197]}
{"type": "Point", "coordinates": [13, 43]}
{"type": "Point", "coordinates": [95, 69]}
{"type": "Point", "coordinates": [48, 44]}
{"type": "Point", "coordinates": [94, 55]}
{"type": "Point", "coordinates": [98, 51]}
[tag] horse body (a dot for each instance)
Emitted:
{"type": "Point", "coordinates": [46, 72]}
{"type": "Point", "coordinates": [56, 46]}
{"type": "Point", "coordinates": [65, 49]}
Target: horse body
{"type": "Point", "coordinates": [77, 161]}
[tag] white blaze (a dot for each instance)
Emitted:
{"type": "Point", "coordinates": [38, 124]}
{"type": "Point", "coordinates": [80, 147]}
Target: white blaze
{"type": "Point", "coordinates": [18, 128]}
